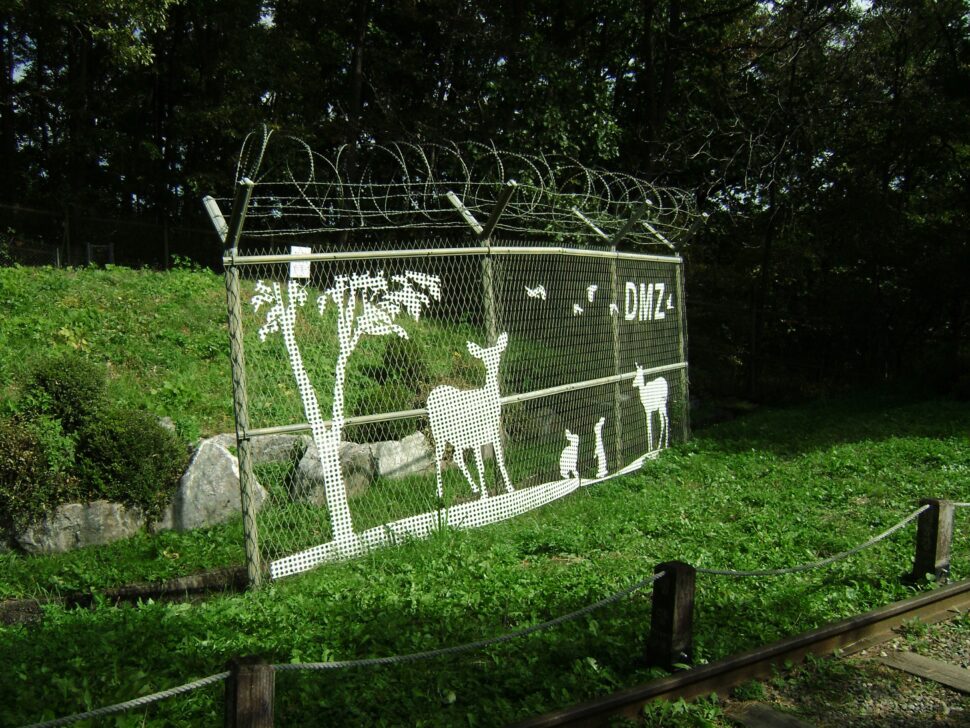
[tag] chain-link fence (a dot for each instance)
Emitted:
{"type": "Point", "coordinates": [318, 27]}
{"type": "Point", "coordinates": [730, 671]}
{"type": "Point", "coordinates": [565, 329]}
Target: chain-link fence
{"type": "Point", "coordinates": [394, 392]}
{"type": "Point", "coordinates": [387, 384]}
{"type": "Point", "coordinates": [72, 237]}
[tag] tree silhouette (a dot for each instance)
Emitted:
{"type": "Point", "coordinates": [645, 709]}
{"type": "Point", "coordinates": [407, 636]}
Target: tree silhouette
{"type": "Point", "coordinates": [366, 305]}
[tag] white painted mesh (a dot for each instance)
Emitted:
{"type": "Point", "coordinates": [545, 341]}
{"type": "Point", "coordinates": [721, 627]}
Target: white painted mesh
{"type": "Point", "coordinates": [572, 370]}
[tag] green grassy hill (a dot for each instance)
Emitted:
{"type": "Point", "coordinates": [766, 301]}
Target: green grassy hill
{"type": "Point", "coordinates": [162, 335]}
{"type": "Point", "coordinates": [772, 489]}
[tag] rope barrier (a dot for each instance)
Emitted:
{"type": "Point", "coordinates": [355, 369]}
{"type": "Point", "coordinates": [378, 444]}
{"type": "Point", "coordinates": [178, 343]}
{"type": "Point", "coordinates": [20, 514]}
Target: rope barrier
{"type": "Point", "coordinates": [130, 704]}
{"type": "Point", "coordinates": [479, 644]}
{"type": "Point", "coordinates": [822, 562]}
{"type": "Point", "coordinates": [470, 646]}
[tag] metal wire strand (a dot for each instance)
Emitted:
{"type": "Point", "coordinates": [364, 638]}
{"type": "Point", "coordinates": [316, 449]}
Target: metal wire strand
{"type": "Point", "coordinates": [131, 704]}
{"type": "Point", "coordinates": [471, 646]}
{"type": "Point", "coordinates": [399, 186]}
{"type": "Point", "coordinates": [960, 505]}
{"type": "Point", "coordinates": [823, 562]}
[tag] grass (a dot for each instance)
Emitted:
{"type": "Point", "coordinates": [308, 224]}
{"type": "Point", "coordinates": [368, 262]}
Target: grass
{"type": "Point", "coordinates": [162, 334]}
{"type": "Point", "coordinates": [773, 489]}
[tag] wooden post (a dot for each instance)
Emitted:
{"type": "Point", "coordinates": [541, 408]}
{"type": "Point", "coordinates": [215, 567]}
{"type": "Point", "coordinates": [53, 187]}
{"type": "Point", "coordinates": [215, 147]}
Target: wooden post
{"type": "Point", "coordinates": [934, 534]}
{"type": "Point", "coordinates": [250, 693]}
{"type": "Point", "coordinates": [671, 640]}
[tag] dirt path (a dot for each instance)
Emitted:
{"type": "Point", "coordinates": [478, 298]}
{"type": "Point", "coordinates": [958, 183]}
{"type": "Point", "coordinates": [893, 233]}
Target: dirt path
{"type": "Point", "coordinates": [861, 692]}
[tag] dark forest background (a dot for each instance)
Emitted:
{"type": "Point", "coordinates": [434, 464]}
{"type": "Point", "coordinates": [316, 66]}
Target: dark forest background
{"type": "Point", "coordinates": [829, 142]}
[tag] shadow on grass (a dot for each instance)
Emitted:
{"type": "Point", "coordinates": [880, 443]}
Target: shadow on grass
{"type": "Point", "coordinates": [834, 421]}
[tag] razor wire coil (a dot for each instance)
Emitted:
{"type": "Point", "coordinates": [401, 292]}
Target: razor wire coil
{"type": "Point", "coordinates": [401, 186]}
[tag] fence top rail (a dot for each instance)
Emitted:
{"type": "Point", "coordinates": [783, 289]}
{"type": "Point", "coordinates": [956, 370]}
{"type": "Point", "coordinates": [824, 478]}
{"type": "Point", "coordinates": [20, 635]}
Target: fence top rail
{"type": "Point", "coordinates": [239, 260]}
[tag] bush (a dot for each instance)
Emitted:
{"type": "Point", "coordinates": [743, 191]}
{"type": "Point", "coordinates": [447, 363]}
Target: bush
{"type": "Point", "coordinates": [69, 387]}
{"type": "Point", "coordinates": [403, 360]}
{"type": "Point", "coordinates": [35, 462]}
{"type": "Point", "coordinates": [127, 456]}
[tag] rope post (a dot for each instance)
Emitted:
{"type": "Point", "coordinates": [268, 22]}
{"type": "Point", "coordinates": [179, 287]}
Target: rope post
{"type": "Point", "coordinates": [250, 693]}
{"type": "Point", "coordinates": [934, 535]}
{"type": "Point", "coordinates": [671, 640]}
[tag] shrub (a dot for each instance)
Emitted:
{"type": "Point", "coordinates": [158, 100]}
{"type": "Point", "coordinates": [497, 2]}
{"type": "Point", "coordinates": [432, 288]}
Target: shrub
{"type": "Point", "coordinates": [69, 387]}
{"type": "Point", "coordinates": [404, 361]}
{"type": "Point", "coordinates": [35, 461]}
{"type": "Point", "coordinates": [127, 456]}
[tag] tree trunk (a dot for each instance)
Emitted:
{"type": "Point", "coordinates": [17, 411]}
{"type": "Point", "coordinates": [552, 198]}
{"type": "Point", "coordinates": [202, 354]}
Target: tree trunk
{"type": "Point", "coordinates": [8, 138]}
{"type": "Point", "coordinates": [756, 357]}
{"type": "Point", "coordinates": [327, 441]}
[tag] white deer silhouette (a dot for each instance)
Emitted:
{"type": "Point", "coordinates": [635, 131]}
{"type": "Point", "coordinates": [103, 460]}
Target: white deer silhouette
{"type": "Point", "coordinates": [469, 418]}
{"type": "Point", "coordinates": [653, 395]}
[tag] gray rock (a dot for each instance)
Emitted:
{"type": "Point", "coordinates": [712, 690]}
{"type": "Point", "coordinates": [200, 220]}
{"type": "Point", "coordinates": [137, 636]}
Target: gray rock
{"type": "Point", "coordinates": [400, 458]}
{"type": "Point", "coordinates": [74, 525]}
{"type": "Point", "coordinates": [279, 448]}
{"type": "Point", "coordinates": [226, 439]}
{"type": "Point", "coordinates": [208, 492]}
{"type": "Point", "coordinates": [167, 423]}
{"type": "Point", "coordinates": [270, 448]}
{"type": "Point", "coordinates": [356, 464]}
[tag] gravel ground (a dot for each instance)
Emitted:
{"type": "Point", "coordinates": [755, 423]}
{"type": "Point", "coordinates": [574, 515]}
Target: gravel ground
{"type": "Point", "coordinates": [861, 692]}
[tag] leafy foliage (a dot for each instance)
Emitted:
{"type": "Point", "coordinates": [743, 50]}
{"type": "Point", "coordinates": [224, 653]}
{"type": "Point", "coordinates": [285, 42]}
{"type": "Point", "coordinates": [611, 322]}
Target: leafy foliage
{"type": "Point", "coordinates": [772, 489]}
{"type": "Point", "coordinates": [36, 462]}
{"type": "Point", "coordinates": [69, 387]}
{"type": "Point", "coordinates": [127, 456]}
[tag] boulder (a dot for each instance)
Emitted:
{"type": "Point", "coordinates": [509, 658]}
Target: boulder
{"type": "Point", "coordinates": [208, 492]}
{"type": "Point", "coordinates": [270, 448]}
{"type": "Point", "coordinates": [356, 464]}
{"type": "Point", "coordinates": [279, 448]}
{"type": "Point", "coordinates": [74, 525]}
{"type": "Point", "coordinates": [399, 458]}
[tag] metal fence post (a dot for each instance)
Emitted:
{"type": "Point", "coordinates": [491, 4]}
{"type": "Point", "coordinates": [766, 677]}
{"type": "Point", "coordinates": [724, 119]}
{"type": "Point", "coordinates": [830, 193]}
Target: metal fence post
{"type": "Point", "coordinates": [682, 350]}
{"type": "Point", "coordinates": [250, 694]}
{"type": "Point", "coordinates": [671, 640]}
{"type": "Point", "coordinates": [934, 535]}
{"type": "Point", "coordinates": [230, 233]}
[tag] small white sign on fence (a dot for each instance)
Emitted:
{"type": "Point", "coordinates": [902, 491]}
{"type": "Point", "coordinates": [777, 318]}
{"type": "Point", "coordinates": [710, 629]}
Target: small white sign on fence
{"type": "Point", "coordinates": [299, 269]}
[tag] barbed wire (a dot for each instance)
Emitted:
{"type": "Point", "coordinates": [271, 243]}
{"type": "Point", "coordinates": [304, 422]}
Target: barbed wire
{"type": "Point", "coordinates": [131, 704]}
{"type": "Point", "coordinates": [822, 562]}
{"type": "Point", "coordinates": [472, 646]}
{"type": "Point", "coordinates": [405, 186]}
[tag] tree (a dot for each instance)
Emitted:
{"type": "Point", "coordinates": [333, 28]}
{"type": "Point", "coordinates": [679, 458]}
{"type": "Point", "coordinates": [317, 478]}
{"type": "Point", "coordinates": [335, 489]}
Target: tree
{"type": "Point", "coordinates": [365, 305]}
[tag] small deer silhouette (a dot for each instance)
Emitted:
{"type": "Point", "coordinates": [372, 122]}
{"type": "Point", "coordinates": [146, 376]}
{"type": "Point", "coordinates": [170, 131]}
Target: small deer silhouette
{"type": "Point", "coordinates": [470, 418]}
{"type": "Point", "coordinates": [601, 470]}
{"type": "Point", "coordinates": [653, 396]}
{"type": "Point", "coordinates": [570, 457]}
